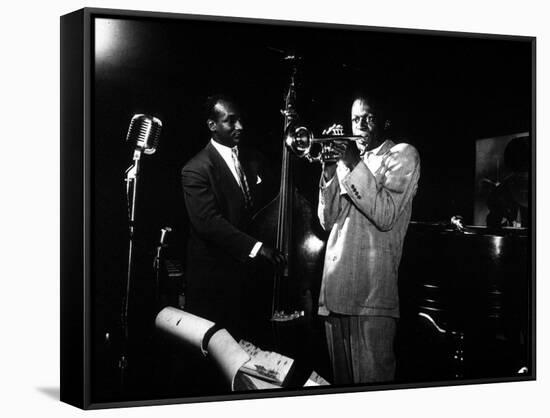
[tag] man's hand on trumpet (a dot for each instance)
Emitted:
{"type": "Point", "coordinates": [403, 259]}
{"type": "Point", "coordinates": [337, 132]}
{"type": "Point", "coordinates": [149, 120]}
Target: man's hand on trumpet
{"type": "Point", "coordinates": [335, 130]}
{"type": "Point", "coordinates": [347, 152]}
{"type": "Point", "coordinates": [344, 150]}
{"type": "Point", "coordinates": [329, 167]}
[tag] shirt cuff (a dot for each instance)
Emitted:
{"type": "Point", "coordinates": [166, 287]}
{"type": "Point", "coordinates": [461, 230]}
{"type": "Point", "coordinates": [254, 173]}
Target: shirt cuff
{"type": "Point", "coordinates": [255, 249]}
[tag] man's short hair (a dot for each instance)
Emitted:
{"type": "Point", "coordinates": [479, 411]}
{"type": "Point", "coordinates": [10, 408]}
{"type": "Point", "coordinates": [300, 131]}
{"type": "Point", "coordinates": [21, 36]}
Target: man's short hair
{"type": "Point", "coordinates": [375, 102]}
{"type": "Point", "coordinates": [371, 98]}
{"type": "Point", "coordinates": [209, 110]}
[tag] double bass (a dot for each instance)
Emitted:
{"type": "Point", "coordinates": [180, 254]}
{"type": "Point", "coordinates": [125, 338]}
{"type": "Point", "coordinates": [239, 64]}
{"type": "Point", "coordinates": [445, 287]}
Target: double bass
{"type": "Point", "coordinates": [290, 224]}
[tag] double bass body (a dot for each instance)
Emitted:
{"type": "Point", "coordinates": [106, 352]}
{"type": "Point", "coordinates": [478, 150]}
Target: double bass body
{"type": "Point", "coordinates": [287, 299]}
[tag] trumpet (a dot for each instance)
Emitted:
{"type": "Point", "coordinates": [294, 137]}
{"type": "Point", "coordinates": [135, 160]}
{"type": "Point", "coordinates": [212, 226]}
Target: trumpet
{"type": "Point", "coordinates": [301, 142]}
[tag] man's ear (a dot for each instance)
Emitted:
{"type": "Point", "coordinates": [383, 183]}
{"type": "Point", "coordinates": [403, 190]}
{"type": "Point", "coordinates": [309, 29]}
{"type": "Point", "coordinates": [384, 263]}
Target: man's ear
{"type": "Point", "coordinates": [211, 125]}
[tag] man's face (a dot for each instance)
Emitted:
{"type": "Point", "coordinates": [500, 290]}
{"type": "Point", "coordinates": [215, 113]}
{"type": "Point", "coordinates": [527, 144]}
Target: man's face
{"type": "Point", "coordinates": [363, 123]}
{"type": "Point", "coordinates": [227, 127]}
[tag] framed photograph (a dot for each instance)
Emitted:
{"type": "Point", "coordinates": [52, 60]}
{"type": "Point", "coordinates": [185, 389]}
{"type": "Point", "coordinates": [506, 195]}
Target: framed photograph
{"type": "Point", "coordinates": [259, 208]}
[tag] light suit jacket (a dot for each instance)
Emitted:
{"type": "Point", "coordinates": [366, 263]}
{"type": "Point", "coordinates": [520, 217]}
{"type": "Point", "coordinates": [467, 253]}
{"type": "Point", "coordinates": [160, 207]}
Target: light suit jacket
{"type": "Point", "coordinates": [367, 227]}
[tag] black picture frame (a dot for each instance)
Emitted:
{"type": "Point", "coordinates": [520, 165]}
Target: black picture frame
{"type": "Point", "coordinates": [96, 106]}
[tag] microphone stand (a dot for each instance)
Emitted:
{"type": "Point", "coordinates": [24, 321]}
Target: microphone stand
{"type": "Point", "coordinates": [157, 261]}
{"type": "Point", "coordinates": [132, 175]}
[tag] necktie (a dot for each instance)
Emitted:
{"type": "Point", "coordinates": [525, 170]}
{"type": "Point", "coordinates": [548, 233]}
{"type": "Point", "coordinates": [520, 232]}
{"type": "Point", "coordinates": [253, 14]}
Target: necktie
{"type": "Point", "coordinates": [242, 178]}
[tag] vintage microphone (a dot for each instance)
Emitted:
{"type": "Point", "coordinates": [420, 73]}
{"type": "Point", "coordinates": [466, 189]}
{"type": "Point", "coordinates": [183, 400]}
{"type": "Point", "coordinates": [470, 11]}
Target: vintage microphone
{"type": "Point", "coordinates": [144, 132]}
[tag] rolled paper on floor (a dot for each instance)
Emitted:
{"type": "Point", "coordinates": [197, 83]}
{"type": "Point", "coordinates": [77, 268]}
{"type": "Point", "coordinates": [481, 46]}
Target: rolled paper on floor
{"type": "Point", "coordinates": [191, 329]}
{"type": "Point", "coordinates": [228, 354]}
{"type": "Point", "coordinates": [185, 326]}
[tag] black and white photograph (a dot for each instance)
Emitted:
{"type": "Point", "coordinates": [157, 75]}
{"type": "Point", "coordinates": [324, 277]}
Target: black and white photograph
{"type": "Point", "coordinates": [274, 209]}
{"type": "Point", "coordinates": [295, 208]}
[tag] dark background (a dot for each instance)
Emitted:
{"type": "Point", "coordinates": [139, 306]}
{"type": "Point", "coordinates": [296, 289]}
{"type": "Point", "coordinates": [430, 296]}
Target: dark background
{"type": "Point", "coordinates": [442, 93]}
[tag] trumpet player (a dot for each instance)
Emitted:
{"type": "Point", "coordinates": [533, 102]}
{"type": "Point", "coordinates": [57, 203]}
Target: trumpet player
{"type": "Point", "coordinates": [365, 201]}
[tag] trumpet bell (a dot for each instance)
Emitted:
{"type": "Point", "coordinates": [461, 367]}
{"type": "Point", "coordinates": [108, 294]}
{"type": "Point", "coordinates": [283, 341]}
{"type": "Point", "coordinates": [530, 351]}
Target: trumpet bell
{"type": "Point", "coordinates": [299, 140]}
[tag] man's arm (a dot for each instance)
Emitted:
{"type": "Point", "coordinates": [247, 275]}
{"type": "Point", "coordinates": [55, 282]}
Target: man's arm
{"type": "Point", "coordinates": [329, 197]}
{"type": "Point", "coordinates": [382, 196]}
{"type": "Point", "coordinates": [207, 220]}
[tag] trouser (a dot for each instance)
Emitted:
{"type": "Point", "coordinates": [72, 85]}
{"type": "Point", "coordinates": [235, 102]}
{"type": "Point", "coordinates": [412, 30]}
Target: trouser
{"type": "Point", "coordinates": [361, 348]}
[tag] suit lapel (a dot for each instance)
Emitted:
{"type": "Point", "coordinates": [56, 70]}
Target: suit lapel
{"type": "Point", "coordinates": [227, 184]}
{"type": "Point", "coordinates": [386, 146]}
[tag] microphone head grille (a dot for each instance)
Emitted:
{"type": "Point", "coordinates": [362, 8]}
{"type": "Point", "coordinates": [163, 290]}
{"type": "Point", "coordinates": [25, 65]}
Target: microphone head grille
{"type": "Point", "coordinates": [144, 131]}
{"type": "Point", "coordinates": [154, 130]}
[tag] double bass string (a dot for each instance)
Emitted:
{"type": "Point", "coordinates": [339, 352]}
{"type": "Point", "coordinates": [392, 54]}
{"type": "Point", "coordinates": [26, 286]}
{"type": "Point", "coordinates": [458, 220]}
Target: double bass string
{"type": "Point", "coordinates": [281, 225]}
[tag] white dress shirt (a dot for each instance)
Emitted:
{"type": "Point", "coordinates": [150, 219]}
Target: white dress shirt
{"type": "Point", "coordinates": [226, 154]}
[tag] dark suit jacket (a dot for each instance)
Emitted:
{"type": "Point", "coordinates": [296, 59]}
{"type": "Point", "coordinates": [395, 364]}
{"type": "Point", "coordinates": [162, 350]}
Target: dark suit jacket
{"type": "Point", "coordinates": [218, 246]}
